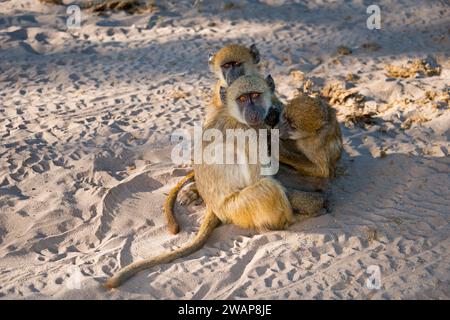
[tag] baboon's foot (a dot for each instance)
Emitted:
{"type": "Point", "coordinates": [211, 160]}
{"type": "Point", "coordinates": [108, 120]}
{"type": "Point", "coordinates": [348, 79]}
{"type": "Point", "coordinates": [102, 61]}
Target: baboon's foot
{"type": "Point", "coordinates": [310, 204]}
{"type": "Point", "coordinates": [189, 194]}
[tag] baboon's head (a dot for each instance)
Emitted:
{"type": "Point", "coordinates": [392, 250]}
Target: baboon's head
{"type": "Point", "coordinates": [248, 99]}
{"type": "Point", "coordinates": [302, 117]}
{"type": "Point", "coordinates": [234, 61]}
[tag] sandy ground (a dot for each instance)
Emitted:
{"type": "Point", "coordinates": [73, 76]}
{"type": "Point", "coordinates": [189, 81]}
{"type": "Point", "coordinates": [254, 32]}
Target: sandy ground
{"type": "Point", "coordinates": [85, 121]}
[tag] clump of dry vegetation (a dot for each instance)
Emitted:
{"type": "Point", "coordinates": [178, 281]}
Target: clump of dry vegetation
{"type": "Point", "coordinates": [179, 94]}
{"type": "Point", "coordinates": [129, 6]}
{"type": "Point", "coordinates": [435, 102]}
{"type": "Point", "coordinates": [371, 234]}
{"type": "Point", "coordinates": [415, 119]}
{"type": "Point", "coordinates": [304, 84]}
{"type": "Point", "coordinates": [437, 99]}
{"type": "Point", "coordinates": [351, 77]}
{"type": "Point", "coordinates": [297, 76]}
{"type": "Point", "coordinates": [371, 46]}
{"type": "Point", "coordinates": [361, 119]}
{"type": "Point", "coordinates": [308, 86]}
{"type": "Point", "coordinates": [343, 51]}
{"type": "Point", "coordinates": [57, 2]}
{"type": "Point", "coordinates": [414, 69]}
{"type": "Point", "coordinates": [337, 94]}
{"type": "Point", "coordinates": [102, 6]}
{"type": "Point", "coordinates": [230, 5]}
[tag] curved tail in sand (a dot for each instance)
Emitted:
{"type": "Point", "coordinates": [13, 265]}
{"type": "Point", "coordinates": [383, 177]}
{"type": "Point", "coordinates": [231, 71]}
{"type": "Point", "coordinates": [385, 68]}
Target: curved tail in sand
{"type": "Point", "coordinates": [208, 225]}
{"type": "Point", "coordinates": [172, 224]}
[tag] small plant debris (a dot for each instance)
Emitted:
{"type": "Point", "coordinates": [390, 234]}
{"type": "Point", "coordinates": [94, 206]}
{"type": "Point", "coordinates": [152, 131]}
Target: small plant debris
{"type": "Point", "coordinates": [414, 69]}
{"type": "Point", "coordinates": [343, 51]}
{"type": "Point", "coordinates": [337, 94]}
{"type": "Point", "coordinates": [57, 2]}
{"type": "Point", "coordinates": [371, 46]}
{"type": "Point", "coordinates": [230, 6]}
{"type": "Point", "coordinates": [360, 119]}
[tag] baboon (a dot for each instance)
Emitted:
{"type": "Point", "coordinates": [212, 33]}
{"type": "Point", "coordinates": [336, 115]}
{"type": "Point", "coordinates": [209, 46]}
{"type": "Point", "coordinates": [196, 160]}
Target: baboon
{"type": "Point", "coordinates": [310, 135]}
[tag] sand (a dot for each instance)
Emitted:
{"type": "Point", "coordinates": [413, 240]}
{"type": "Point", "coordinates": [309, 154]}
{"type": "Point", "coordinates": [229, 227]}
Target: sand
{"type": "Point", "coordinates": [85, 121]}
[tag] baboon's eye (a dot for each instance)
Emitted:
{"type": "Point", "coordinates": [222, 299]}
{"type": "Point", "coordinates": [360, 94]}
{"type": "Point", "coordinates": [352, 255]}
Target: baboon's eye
{"type": "Point", "coordinates": [255, 95]}
{"type": "Point", "coordinates": [236, 64]}
{"type": "Point", "coordinates": [226, 65]}
{"type": "Point", "coordinates": [242, 98]}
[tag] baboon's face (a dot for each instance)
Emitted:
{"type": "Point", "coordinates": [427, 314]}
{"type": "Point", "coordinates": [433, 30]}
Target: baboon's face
{"type": "Point", "coordinates": [232, 70]}
{"type": "Point", "coordinates": [285, 127]}
{"type": "Point", "coordinates": [290, 130]}
{"type": "Point", "coordinates": [253, 107]}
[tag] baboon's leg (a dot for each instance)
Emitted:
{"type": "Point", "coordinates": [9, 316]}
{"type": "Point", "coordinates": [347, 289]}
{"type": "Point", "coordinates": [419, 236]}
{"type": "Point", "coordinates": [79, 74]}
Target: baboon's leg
{"type": "Point", "coordinates": [306, 203]}
{"type": "Point", "coordinates": [263, 206]}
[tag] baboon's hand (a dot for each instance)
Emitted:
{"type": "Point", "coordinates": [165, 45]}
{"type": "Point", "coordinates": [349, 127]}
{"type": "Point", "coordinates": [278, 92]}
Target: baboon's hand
{"type": "Point", "coordinates": [189, 194]}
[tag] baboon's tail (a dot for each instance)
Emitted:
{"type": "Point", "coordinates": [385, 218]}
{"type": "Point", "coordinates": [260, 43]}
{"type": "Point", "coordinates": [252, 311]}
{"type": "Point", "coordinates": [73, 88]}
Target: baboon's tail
{"type": "Point", "coordinates": [208, 225]}
{"type": "Point", "coordinates": [172, 224]}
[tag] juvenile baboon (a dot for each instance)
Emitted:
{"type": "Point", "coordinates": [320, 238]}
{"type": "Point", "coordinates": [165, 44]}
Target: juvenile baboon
{"type": "Point", "coordinates": [311, 139]}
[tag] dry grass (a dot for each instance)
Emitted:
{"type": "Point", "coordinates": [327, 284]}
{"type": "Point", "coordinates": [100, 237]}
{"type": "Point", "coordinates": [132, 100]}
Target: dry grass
{"type": "Point", "coordinates": [371, 46]}
{"type": "Point", "coordinates": [360, 119]}
{"type": "Point", "coordinates": [415, 119]}
{"type": "Point", "coordinates": [102, 6]}
{"type": "Point", "coordinates": [371, 234]}
{"type": "Point", "coordinates": [337, 94]}
{"type": "Point", "coordinates": [351, 77]}
{"type": "Point", "coordinates": [129, 6]}
{"type": "Point", "coordinates": [179, 94]}
{"type": "Point", "coordinates": [437, 99]}
{"type": "Point", "coordinates": [57, 2]}
{"type": "Point", "coordinates": [230, 6]}
{"type": "Point", "coordinates": [414, 69]}
{"type": "Point", "coordinates": [343, 51]}
{"type": "Point", "coordinates": [297, 76]}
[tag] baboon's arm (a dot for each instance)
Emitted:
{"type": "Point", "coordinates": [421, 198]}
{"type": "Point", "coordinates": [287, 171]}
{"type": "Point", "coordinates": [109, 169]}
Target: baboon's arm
{"type": "Point", "coordinates": [302, 164]}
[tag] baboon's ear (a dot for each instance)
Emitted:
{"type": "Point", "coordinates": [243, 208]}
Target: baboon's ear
{"type": "Point", "coordinates": [210, 57]}
{"type": "Point", "coordinates": [223, 94]}
{"type": "Point", "coordinates": [255, 53]}
{"type": "Point", "coordinates": [270, 83]}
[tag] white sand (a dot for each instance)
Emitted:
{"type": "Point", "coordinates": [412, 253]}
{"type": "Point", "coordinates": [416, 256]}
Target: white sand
{"type": "Point", "coordinates": [85, 118]}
